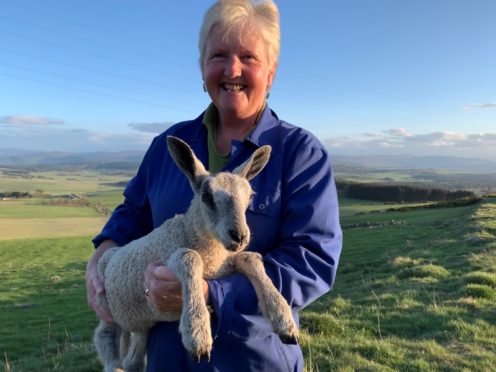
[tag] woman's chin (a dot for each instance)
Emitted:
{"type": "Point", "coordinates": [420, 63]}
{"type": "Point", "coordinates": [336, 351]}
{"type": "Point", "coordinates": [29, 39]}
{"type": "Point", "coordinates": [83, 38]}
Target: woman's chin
{"type": "Point", "coordinates": [232, 106]}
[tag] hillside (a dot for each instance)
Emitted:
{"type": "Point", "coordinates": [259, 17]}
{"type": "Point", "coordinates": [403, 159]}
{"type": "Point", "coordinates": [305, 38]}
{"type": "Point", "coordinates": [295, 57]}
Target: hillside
{"type": "Point", "coordinates": [25, 158]}
{"type": "Point", "coordinates": [454, 163]}
{"type": "Point", "coordinates": [13, 158]}
{"type": "Point", "coordinates": [453, 173]}
{"type": "Point", "coordinates": [414, 291]}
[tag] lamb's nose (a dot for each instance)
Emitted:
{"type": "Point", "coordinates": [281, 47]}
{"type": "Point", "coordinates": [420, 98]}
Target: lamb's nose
{"type": "Point", "coordinates": [236, 236]}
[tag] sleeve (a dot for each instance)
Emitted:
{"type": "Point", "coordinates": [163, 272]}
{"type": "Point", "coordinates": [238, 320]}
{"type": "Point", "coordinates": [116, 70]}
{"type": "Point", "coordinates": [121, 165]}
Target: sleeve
{"type": "Point", "coordinates": [303, 266]}
{"type": "Point", "coordinates": [132, 219]}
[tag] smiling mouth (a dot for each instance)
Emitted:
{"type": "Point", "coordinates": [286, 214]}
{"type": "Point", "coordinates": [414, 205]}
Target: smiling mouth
{"type": "Point", "coordinates": [233, 88]}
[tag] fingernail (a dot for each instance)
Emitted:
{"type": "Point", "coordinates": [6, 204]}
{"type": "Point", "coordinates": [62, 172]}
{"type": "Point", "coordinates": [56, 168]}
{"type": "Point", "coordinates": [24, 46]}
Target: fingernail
{"type": "Point", "coordinates": [158, 270]}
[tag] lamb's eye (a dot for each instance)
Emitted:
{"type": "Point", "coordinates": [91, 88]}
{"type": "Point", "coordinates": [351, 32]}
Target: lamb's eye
{"type": "Point", "coordinates": [208, 199]}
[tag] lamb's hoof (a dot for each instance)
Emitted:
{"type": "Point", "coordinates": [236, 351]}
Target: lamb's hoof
{"type": "Point", "coordinates": [113, 368]}
{"type": "Point", "coordinates": [200, 356]}
{"type": "Point", "coordinates": [289, 339]}
{"type": "Point", "coordinates": [287, 330]}
{"type": "Point", "coordinates": [200, 346]}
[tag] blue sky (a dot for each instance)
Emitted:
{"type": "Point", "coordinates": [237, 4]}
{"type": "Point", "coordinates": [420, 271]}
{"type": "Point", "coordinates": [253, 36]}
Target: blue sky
{"type": "Point", "coordinates": [366, 77]}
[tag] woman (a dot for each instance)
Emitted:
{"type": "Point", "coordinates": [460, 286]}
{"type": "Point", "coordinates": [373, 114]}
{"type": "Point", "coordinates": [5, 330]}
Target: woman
{"type": "Point", "coordinates": [293, 216]}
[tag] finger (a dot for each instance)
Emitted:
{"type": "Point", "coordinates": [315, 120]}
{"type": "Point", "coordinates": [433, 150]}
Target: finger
{"type": "Point", "coordinates": [90, 291]}
{"type": "Point", "coordinates": [149, 273]}
{"type": "Point", "coordinates": [151, 266]}
{"type": "Point", "coordinates": [164, 299]}
{"type": "Point", "coordinates": [164, 273]}
{"type": "Point", "coordinates": [104, 315]}
{"type": "Point", "coordinates": [100, 312]}
{"type": "Point", "coordinates": [94, 289]}
{"type": "Point", "coordinates": [147, 279]}
{"type": "Point", "coordinates": [98, 286]}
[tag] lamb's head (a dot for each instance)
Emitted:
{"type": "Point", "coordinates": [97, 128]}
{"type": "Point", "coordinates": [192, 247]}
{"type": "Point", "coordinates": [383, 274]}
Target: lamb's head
{"type": "Point", "coordinates": [223, 197]}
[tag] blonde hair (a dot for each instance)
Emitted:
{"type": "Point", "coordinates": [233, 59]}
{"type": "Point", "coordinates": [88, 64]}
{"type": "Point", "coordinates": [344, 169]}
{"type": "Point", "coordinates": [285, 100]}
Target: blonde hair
{"type": "Point", "coordinates": [237, 15]}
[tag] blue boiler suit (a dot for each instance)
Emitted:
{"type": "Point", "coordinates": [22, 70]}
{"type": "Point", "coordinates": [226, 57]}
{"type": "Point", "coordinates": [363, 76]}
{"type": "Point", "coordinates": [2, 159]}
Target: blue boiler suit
{"type": "Point", "coordinates": [294, 222]}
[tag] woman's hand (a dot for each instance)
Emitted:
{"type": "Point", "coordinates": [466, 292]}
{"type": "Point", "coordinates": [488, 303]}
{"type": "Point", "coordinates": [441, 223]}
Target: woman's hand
{"type": "Point", "coordinates": [94, 286]}
{"type": "Point", "coordinates": [164, 289]}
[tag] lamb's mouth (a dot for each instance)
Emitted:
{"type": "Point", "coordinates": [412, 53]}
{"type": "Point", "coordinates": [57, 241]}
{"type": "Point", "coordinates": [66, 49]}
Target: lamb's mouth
{"type": "Point", "coordinates": [235, 247]}
{"type": "Point", "coordinates": [233, 88]}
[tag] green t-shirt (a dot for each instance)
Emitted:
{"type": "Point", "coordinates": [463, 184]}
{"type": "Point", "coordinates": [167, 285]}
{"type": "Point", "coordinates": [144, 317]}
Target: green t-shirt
{"type": "Point", "coordinates": [217, 161]}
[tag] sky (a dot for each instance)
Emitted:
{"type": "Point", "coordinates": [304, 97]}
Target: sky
{"type": "Point", "coordinates": [366, 77]}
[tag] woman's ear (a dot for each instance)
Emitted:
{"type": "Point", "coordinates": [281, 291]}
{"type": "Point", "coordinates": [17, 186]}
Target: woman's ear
{"type": "Point", "coordinates": [270, 77]}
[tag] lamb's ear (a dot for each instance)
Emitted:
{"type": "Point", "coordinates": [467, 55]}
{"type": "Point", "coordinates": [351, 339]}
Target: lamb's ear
{"type": "Point", "coordinates": [186, 161]}
{"type": "Point", "coordinates": [254, 165]}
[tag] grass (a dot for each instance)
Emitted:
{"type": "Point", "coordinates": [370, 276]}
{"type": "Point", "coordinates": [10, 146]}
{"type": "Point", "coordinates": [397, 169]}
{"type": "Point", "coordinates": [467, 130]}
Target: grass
{"type": "Point", "coordinates": [350, 207]}
{"type": "Point", "coordinates": [415, 296]}
{"type": "Point", "coordinates": [46, 324]}
{"type": "Point", "coordinates": [59, 183]}
{"type": "Point", "coordinates": [108, 198]}
{"type": "Point", "coordinates": [482, 278]}
{"type": "Point", "coordinates": [27, 209]}
{"type": "Point", "coordinates": [36, 218]}
{"type": "Point", "coordinates": [22, 228]}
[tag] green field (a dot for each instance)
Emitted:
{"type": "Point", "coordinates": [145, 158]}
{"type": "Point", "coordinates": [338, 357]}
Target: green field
{"type": "Point", "coordinates": [46, 324]}
{"type": "Point", "coordinates": [46, 215]}
{"type": "Point", "coordinates": [417, 296]}
{"type": "Point", "coordinates": [27, 209]}
{"type": "Point", "coordinates": [19, 228]}
{"type": "Point", "coordinates": [415, 291]}
{"type": "Point", "coordinates": [59, 183]}
{"type": "Point", "coordinates": [108, 198]}
{"type": "Point", "coordinates": [351, 207]}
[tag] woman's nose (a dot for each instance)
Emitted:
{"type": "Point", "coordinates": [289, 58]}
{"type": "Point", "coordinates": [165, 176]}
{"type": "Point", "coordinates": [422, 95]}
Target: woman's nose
{"type": "Point", "coordinates": [233, 67]}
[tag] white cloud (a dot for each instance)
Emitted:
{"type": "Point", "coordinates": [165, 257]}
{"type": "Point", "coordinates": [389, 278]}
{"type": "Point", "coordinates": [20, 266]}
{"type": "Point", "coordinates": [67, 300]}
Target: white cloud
{"type": "Point", "coordinates": [480, 105]}
{"type": "Point", "coordinates": [72, 140]}
{"type": "Point", "coordinates": [29, 120]}
{"type": "Point", "coordinates": [399, 132]}
{"type": "Point", "coordinates": [150, 127]}
{"type": "Point", "coordinates": [395, 141]}
{"type": "Point", "coordinates": [401, 141]}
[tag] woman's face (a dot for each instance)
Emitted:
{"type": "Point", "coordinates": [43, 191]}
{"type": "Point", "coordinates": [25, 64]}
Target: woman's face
{"type": "Point", "coordinates": [237, 73]}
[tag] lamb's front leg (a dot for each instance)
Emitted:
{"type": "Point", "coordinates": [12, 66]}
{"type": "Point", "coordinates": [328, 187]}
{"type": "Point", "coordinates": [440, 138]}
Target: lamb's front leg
{"type": "Point", "coordinates": [194, 325]}
{"type": "Point", "coordinates": [274, 306]}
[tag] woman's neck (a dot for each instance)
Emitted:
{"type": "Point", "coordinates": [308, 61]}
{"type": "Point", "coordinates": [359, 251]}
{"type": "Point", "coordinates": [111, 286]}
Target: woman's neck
{"type": "Point", "coordinates": [231, 128]}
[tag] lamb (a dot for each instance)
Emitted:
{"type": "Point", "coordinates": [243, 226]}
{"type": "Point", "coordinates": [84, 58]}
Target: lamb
{"type": "Point", "coordinates": [207, 241]}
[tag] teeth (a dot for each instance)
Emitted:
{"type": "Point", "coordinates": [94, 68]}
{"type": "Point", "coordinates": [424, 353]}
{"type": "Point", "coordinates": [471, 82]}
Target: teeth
{"type": "Point", "coordinates": [233, 87]}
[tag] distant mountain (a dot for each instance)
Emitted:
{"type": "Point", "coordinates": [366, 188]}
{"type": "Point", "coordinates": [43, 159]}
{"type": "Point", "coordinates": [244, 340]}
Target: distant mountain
{"type": "Point", "coordinates": [131, 159]}
{"type": "Point", "coordinates": [58, 159]}
{"type": "Point", "coordinates": [472, 165]}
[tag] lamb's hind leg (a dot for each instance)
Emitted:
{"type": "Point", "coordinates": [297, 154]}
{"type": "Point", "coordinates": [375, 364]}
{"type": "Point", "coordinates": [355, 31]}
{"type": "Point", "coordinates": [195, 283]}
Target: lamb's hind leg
{"type": "Point", "coordinates": [106, 340]}
{"type": "Point", "coordinates": [134, 360]}
{"type": "Point", "coordinates": [195, 318]}
{"type": "Point", "coordinates": [274, 307]}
